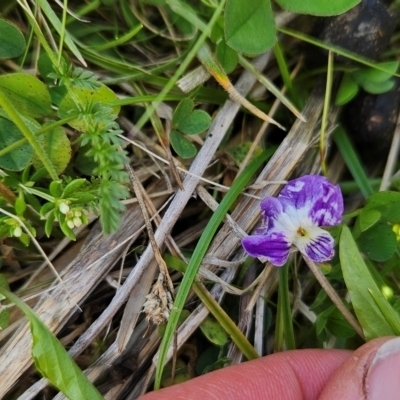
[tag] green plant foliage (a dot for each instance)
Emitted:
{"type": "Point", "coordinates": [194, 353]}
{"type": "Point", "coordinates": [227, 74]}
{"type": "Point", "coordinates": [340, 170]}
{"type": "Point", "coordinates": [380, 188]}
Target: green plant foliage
{"type": "Point", "coordinates": [27, 94]}
{"type": "Point", "coordinates": [52, 360]}
{"type": "Point", "coordinates": [186, 120]}
{"type": "Point", "coordinates": [196, 122]}
{"type": "Point", "coordinates": [226, 56]}
{"type": "Point", "coordinates": [214, 332]}
{"type": "Point", "coordinates": [12, 41]}
{"type": "Point", "coordinates": [360, 283]}
{"type": "Point", "coordinates": [374, 226]}
{"type": "Point", "coordinates": [348, 89]}
{"type": "Point", "coordinates": [79, 99]}
{"type": "Point", "coordinates": [19, 158]}
{"type": "Point", "coordinates": [249, 26]}
{"type": "Point", "coordinates": [323, 8]}
{"type": "Point", "coordinates": [387, 203]}
{"type": "Point", "coordinates": [368, 217]}
{"type": "Point", "coordinates": [379, 242]}
{"type": "Point", "coordinates": [4, 312]}
{"type": "Point", "coordinates": [372, 80]}
{"type": "Point", "coordinates": [57, 146]}
{"type": "Point", "coordinates": [332, 321]}
{"type": "Point", "coordinates": [184, 147]}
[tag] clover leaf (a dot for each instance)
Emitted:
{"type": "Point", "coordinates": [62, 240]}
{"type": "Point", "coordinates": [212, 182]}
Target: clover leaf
{"type": "Point", "coordinates": [187, 121]}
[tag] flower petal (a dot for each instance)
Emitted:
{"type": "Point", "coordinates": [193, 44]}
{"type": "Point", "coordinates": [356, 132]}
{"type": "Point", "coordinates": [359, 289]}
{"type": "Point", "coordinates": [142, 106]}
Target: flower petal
{"type": "Point", "coordinates": [316, 244]}
{"type": "Point", "coordinates": [322, 199]}
{"type": "Point", "coordinates": [271, 208]}
{"type": "Point", "coordinates": [274, 247]}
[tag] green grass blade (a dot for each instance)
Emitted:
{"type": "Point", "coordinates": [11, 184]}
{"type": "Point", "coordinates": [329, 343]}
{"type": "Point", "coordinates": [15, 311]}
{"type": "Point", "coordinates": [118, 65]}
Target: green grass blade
{"type": "Point", "coordinates": [284, 325]}
{"type": "Point", "coordinates": [335, 49]}
{"type": "Point", "coordinates": [352, 161]}
{"type": "Point", "coordinates": [216, 310]}
{"type": "Point", "coordinates": [58, 26]}
{"type": "Point", "coordinates": [198, 256]}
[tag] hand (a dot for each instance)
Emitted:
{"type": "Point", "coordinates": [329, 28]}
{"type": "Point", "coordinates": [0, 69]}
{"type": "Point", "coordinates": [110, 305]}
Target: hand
{"type": "Point", "coordinates": [371, 372]}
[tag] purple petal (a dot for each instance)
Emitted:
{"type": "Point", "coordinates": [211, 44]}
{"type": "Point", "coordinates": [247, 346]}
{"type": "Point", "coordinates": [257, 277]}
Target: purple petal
{"type": "Point", "coordinates": [317, 244]}
{"type": "Point", "coordinates": [271, 208]}
{"type": "Point", "coordinates": [274, 247]}
{"type": "Point", "coordinates": [322, 198]}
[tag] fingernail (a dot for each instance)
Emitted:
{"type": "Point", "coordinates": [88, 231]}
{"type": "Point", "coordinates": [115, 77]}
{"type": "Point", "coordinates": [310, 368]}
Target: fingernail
{"type": "Point", "coordinates": [383, 377]}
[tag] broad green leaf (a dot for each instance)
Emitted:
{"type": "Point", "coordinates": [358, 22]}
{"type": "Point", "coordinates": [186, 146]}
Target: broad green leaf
{"type": "Point", "coordinates": [378, 88]}
{"type": "Point", "coordinates": [19, 158]}
{"type": "Point", "coordinates": [214, 332]}
{"type": "Point", "coordinates": [196, 122]}
{"type": "Point", "coordinates": [367, 218]}
{"type": "Point", "coordinates": [379, 242]}
{"type": "Point", "coordinates": [182, 111]}
{"type": "Point", "coordinates": [57, 146]}
{"type": "Point", "coordinates": [181, 145]}
{"type": "Point", "coordinates": [322, 8]}
{"type": "Point", "coordinates": [52, 360]}
{"type": "Point", "coordinates": [249, 26]}
{"type": "Point", "coordinates": [347, 90]}
{"type": "Point", "coordinates": [27, 94]}
{"type": "Point", "coordinates": [12, 41]}
{"type": "Point", "coordinates": [85, 97]}
{"type": "Point", "coordinates": [226, 56]}
{"type": "Point", "coordinates": [359, 282]}
{"type": "Point", "coordinates": [376, 75]}
{"type": "Point", "coordinates": [387, 203]}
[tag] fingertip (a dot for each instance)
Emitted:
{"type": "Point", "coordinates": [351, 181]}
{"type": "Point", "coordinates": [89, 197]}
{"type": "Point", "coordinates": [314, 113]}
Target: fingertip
{"type": "Point", "coordinates": [291, 375]}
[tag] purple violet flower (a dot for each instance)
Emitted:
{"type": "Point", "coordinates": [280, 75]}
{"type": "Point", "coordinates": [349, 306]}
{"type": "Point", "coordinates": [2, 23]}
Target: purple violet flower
{"type": "Point", "coordinates": [295, 217]}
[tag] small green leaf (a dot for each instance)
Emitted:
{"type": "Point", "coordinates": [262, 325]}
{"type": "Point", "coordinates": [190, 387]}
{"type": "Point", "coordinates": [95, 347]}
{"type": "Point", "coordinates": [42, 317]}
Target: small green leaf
{"type": "Point", "coordinates": [182, 111]}
{"type": "Point", "coordinates": [378, 88]}
{"type": "Point", "coordinates": [20, 206]}
{"type": "Point", "coordinates": [214, 332]}
{"type": "Point", "coordinates": [27, 94]}
{"type": "Point", "coordinates": [375, 75]}
{"type": "Point", "coordinates": [379, 242]}
{"type": "Point", "coordinates": [46, 67]}
{"type": "Point", "coordinates": [12, 41]}
{"type": "Point", "coordinates": [197, 122]}
{"type": "Point", "coordinates": [56, 189]}
{"type": "Point", "coordinates": [73, 187]}
{"type": "Point", "coordinates": [226, 56]}
{"type": "Point", "coordinates": [181, 145]}
{"type": "Point", "coordinates": [85, 97]}
{"type": "Point", "coordinates": [18, 159]}
{"type": "Point", "coordinates": [249, 26]}
{"type": "Point", "coordinates": [48, 227]}
{"type": "Point", "coordinates": [322, 8]}
{"type": "Point", "coordinates": [359, 282]}
{"type": "Point", "coordinates": [368, 217]}
{"type": "Point", "coordinates": [58, 148]}
{"type": "Point", "coordinates": [347, 90]}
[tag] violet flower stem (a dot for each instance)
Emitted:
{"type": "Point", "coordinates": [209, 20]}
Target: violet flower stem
{"type": "Point", "coordinates": [334, 296]}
